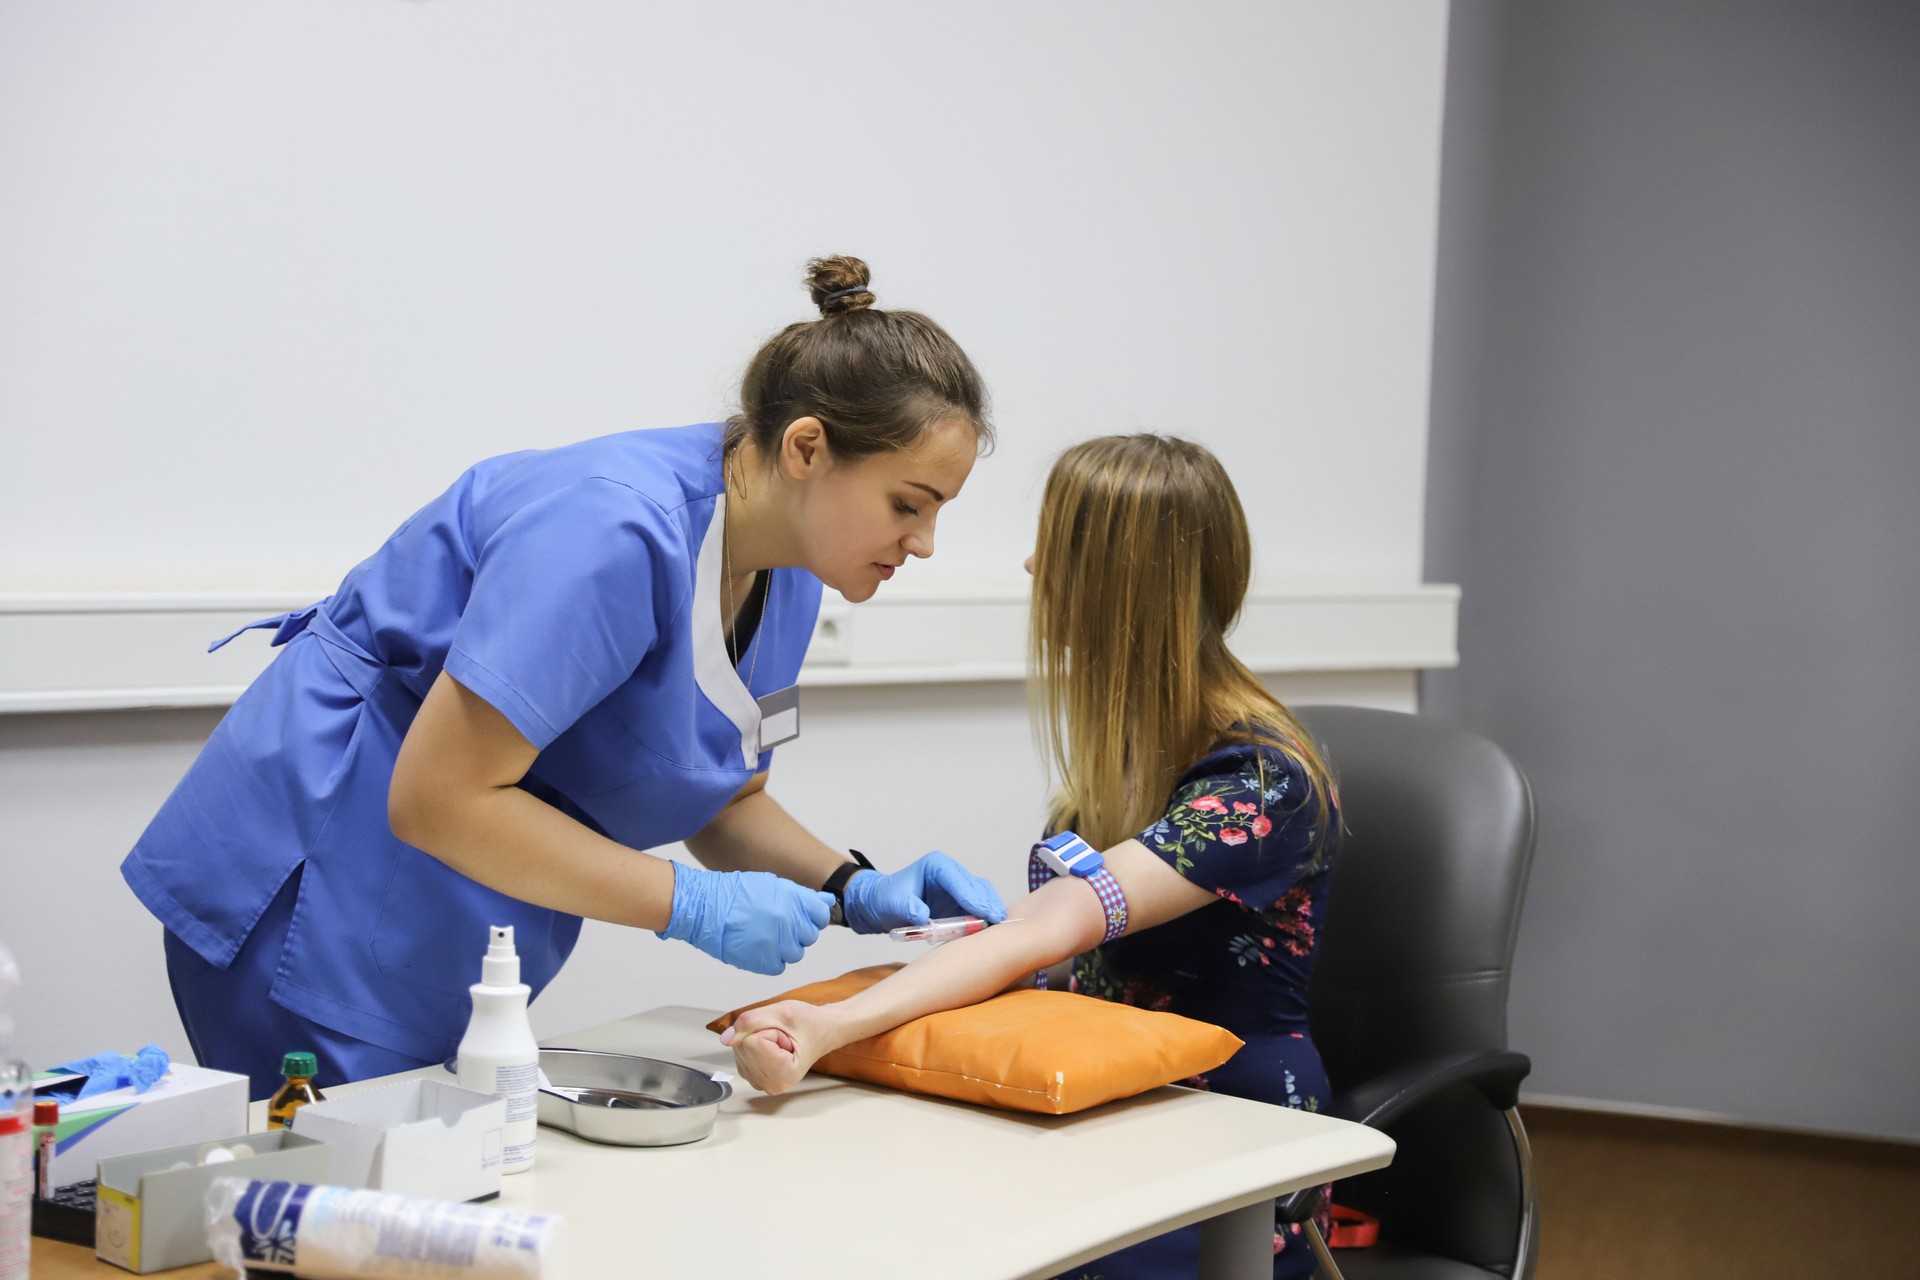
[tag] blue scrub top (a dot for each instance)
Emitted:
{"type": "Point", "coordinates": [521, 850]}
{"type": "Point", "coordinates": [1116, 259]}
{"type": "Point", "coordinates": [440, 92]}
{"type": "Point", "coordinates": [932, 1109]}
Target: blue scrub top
{"type": "Point", "coordinates": [576, 590]}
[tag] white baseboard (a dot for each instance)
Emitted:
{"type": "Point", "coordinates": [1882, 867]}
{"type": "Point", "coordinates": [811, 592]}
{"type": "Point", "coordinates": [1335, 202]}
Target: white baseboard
{"type": "Point", "coordinates": [96, 652]}
{"type": "Point", "coordinates": [1687, 1115]}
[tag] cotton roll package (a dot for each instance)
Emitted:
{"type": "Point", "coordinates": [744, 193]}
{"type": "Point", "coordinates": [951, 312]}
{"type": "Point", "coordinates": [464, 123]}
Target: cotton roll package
{"type": "Point", "coordinates": [332, 1233]}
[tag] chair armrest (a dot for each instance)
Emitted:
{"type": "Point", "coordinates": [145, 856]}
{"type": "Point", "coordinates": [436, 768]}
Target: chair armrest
{"type": "Point", "coordinates": [1379, 1102]}
{"type": "Point", "coordinates": [1384, 1099]}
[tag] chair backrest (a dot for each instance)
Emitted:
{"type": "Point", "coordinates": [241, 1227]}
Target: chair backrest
{"type": "Point", "coordinates": [1415, 957]}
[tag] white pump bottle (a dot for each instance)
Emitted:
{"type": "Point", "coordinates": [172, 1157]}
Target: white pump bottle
{"type": "Point", "coordinates": [499, 1055]}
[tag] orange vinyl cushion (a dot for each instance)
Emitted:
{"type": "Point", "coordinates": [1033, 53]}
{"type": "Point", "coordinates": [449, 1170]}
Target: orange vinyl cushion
{"type": "Point", "coordinates": [1048, 1051]}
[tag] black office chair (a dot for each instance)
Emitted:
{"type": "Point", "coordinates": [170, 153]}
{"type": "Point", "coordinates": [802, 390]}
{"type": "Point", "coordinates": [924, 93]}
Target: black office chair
{"type": "Point", "coordinates": [1409, 996]}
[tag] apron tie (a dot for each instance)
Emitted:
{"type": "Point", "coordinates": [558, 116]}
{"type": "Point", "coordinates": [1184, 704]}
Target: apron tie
{"type": "Point", "coordinates": [287, 626]}
{"type": "Point", "coordinates": [359, 668]}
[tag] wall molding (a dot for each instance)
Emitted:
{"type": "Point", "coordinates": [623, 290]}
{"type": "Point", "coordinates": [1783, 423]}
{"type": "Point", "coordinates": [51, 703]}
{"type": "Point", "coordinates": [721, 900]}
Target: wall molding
{"type": "Point", "coordinates": [98, 652]}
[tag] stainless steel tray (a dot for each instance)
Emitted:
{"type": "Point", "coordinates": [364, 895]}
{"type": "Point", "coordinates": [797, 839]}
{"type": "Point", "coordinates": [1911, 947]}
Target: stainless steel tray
{"type": "Point", "coordinates": [627, 1100]}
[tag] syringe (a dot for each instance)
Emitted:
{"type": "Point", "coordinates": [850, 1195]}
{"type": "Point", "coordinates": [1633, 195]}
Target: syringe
{"type": "Point", "coordinates": [942, 930]}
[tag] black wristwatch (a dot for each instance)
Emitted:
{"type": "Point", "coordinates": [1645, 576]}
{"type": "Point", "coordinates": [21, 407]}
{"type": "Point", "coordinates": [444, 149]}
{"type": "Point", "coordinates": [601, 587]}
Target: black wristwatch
{"type": "Point", "coordinates": [837, 884]}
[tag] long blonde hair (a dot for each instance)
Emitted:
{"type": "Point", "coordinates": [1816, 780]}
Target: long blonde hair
{"type": "Point", "coordinates": [1139, 571]}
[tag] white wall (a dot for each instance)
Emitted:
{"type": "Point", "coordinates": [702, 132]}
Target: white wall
{"type": "Point", "coordinates": [271, 275]}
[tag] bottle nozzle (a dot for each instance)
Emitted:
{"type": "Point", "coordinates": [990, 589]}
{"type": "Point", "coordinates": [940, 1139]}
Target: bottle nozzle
{"type": "Point", "coordinates": [500, 967]}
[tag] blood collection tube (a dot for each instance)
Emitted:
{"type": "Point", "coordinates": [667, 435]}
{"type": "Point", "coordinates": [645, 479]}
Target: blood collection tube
{"type": "Point", "coordinates": [942, 930]}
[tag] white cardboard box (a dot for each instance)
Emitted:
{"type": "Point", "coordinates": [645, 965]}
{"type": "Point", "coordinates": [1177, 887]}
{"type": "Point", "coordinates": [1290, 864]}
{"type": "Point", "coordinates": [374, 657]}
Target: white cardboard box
{"type": "Point", "coordinates": [188, 1104]}
{"type": "Point", "coordinates": [416, 1138]}
{"type": "Point", "coordinates": [153, 1217]}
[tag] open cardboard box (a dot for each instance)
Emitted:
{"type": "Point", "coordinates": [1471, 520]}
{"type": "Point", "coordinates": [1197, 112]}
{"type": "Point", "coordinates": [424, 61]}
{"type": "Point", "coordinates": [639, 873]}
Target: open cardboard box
{"type": "Point", "coordinates": [152, 1214]}
{"type": "Point", "coordinates": [416, 1138]}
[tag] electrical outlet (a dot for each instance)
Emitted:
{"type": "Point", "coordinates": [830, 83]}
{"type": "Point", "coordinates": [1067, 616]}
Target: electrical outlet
{"type": "Point", "coordinates": [832, 643]}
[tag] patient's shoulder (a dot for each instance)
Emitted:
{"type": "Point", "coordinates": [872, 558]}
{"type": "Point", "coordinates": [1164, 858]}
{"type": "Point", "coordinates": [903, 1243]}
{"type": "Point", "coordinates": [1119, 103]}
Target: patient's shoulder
{"type": "Point", "coordinates": [1259, 772]}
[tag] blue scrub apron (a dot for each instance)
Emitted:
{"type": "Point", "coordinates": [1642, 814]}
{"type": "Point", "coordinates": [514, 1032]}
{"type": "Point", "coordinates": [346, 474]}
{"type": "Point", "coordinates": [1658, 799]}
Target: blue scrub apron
{"type": "Point", "coordinates": [576, 590]}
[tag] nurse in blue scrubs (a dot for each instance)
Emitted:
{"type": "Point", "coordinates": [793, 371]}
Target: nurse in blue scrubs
{"type": "Point", "coordinates": [571, 656]}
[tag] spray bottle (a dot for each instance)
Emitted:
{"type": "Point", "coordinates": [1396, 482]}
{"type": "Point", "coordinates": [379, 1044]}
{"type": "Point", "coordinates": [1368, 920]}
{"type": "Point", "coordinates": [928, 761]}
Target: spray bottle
{"type": "Point", "coordinates": [499, 1055]}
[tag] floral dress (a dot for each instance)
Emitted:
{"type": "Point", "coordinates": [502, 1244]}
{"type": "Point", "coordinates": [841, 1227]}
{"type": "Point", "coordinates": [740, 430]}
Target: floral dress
{"type": "Point", "coordinates": [1245, 823]}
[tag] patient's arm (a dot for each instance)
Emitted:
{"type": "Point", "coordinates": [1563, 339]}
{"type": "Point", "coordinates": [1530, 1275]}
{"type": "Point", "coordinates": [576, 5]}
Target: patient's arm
{"type": "Point", "coordinates": [776, 1044]}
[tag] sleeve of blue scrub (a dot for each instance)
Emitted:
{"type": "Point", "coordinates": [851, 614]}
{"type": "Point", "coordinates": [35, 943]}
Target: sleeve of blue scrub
{"type": "Point", "coordinates": [569, 594]}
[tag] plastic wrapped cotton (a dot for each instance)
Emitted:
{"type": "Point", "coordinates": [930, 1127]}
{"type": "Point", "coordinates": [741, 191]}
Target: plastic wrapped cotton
{"type": "Point", "coordinates": [332, 1233]}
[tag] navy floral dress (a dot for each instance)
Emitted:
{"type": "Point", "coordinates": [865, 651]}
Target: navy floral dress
{"type": "Point", "coordinates": [1246, 823]}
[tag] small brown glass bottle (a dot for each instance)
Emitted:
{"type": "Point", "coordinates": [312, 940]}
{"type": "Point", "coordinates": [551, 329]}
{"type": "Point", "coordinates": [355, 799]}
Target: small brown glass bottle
{"type": "Point", "coordinates": [297, 1092]}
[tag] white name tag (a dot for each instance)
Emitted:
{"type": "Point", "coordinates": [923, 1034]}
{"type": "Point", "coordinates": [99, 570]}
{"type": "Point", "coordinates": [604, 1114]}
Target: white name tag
{"type": "Point", "coordinates": [779, 717]}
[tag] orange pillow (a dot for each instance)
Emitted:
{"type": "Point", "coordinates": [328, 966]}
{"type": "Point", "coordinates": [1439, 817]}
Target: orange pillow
{"type": "Point", "coordinates": [1048, 1051]}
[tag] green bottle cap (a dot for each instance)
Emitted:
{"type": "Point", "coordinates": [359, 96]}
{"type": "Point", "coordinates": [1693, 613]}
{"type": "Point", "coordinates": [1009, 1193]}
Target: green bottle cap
{"type": "Point", "coordinates": [299, 1064]}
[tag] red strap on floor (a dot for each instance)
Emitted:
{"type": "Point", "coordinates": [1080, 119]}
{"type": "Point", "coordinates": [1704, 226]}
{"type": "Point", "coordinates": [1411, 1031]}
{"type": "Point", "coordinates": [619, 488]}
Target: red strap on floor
{"type": "Point", "coordinates": [1352, 1229]}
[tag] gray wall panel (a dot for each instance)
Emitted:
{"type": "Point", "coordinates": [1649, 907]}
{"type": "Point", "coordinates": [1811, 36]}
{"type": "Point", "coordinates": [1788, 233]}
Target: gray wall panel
{"type": "Point", "coordinates": [1675, 456]}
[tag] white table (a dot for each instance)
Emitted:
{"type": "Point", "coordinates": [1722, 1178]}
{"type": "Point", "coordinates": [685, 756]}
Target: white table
{"type": "Point", "coordinates": [837, 1179]}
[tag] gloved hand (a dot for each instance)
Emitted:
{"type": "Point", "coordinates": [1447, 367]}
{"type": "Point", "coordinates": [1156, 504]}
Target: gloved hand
{"type": "Point", "coordinates": [752, 920]}
{"type": "Point", "coordinates": [935, 885]}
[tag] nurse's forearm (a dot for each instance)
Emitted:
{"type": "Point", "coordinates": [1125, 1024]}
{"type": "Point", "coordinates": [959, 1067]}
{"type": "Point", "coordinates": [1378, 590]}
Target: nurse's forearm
{"type": "Point", "coordinates": [755, 833]}
{"type": "Point", "coordinates": [1061, 919]}
{"type": "Point", "coordinates": [454, 794]}
{"type": "Point", "coordinates": [513, 842]}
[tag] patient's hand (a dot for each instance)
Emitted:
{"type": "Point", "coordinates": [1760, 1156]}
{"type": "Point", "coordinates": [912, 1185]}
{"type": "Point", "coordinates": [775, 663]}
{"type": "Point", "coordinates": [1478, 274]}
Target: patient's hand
{"type": "Point", "coordinates": [776, 1044]}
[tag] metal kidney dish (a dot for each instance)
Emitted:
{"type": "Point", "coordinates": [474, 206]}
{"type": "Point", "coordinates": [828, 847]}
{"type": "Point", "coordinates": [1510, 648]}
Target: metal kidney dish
{"type": "Point", "coordinates": [627, 1100]}
{"type": "Point", "coordinates": [624, 1099]}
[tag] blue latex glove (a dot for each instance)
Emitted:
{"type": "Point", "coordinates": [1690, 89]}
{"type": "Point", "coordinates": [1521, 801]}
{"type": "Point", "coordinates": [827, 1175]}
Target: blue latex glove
{"type": "Point", "coordinates": [148, 1066]}
{"type": "Point", "coordinates": [105, 1072]}
{"type": "Point", "coordinates": [752, 920]}
{"type": "Point", "coordinates": [935, 885]}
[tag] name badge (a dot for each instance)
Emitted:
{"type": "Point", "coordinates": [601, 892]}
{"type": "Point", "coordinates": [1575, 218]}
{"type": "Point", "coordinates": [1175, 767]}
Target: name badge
{"type": "Point", "coordinates": [779, 717]}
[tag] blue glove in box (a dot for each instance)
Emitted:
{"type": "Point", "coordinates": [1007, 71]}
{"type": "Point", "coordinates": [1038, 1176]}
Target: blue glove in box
{"type": "Point", "coordinates": [186, 1104]}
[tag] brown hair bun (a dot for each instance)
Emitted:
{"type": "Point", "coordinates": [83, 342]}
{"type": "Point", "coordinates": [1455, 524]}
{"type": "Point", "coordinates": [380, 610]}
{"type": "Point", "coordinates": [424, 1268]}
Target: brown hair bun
{"type": "Point", "coordinates": [839, 285]}
{"type": "Point", "coordinates": [875, 379]}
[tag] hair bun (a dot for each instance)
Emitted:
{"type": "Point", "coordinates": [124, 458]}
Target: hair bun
{"type": "Point", "coordinates": [839, 285]}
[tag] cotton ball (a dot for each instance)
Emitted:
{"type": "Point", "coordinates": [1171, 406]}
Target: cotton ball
{"type": "Point", "coordinates": [219, 1155]}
